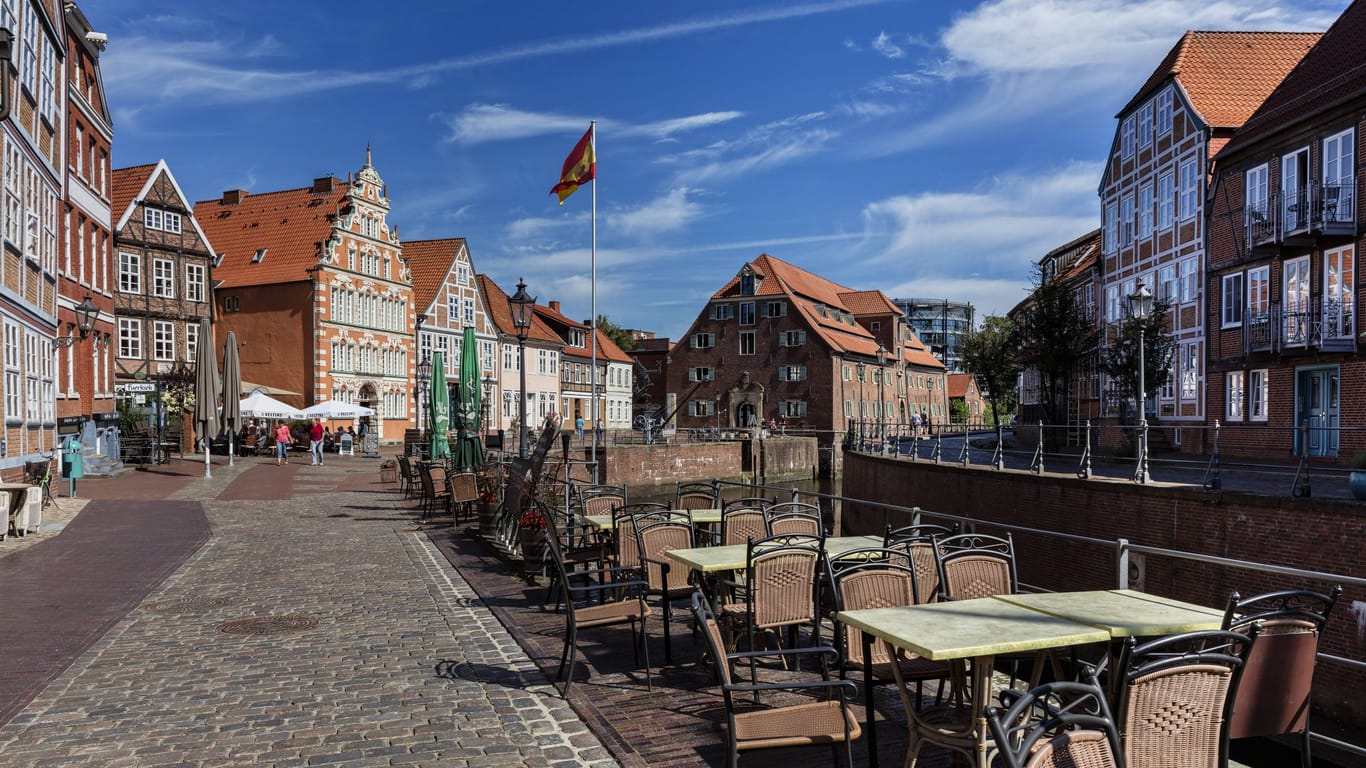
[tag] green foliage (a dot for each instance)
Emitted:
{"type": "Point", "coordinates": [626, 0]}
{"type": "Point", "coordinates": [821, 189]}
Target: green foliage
{"type": "Point", "coordinates": [1120, 359]}
{"type": "Point", "coordinates": [958, 411]}
{"type": "Point", "coordinates": [991, 353]}
{"type": "Point", "coordinates": [1056, 333]}
{"type": "Point", "coordinates": [619, 336]}
{"type": "Point", "coordinates": [130, 415]}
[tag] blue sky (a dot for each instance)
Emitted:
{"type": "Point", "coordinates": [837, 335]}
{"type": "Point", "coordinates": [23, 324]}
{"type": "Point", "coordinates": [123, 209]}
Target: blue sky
{"type": "Point", "coordinates": [930, 149]}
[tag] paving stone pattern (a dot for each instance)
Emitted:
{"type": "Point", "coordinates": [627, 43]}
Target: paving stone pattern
{"type": "Point", "coordinates": [404, 667]}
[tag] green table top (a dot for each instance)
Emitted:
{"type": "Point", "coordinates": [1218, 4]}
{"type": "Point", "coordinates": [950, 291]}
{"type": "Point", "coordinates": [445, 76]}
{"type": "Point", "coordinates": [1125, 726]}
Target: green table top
{"type": "Point", "coordinates": [698, 516]}
{"type": "Point", "coordinates": [734, 556]}
{"type": "Point", "coordinates": [1122, 612]}
{"type": "Point", "coordinates": [970, 628]}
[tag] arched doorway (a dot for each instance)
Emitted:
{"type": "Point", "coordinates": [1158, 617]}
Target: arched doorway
{"type": "Point", "coordinates": [370, 399]}
{"type": "Point", "coordinates": [745, 415]}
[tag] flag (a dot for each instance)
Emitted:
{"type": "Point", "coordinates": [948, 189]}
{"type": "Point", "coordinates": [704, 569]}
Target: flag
{"type": "Point", "coordinates": [580, 168]}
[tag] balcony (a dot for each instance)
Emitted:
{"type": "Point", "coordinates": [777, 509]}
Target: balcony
{"type": "Point", "coordinates": [1329, 326]}
{"type": "Point", "coordinates": [1325, 209]}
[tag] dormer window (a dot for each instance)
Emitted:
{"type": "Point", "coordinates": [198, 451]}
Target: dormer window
{"type": "Point", "coordinates": [259, 256]}
{"type": "Point", "coordinates": [746, 285]}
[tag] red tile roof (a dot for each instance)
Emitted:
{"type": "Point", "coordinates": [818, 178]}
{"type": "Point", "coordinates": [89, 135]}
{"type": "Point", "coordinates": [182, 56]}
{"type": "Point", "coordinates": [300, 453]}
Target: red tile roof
{"type": "Point", "coordinates": [1227, 75]}
{"type": "Point", "coordinates": [869, 303]}
{"type": "Point", "coordinates": [1331, 73]}
{"type": "Point", "coordinates": [127, 183]}
{"type": "Point", "coordinates": [430, 262]}
{"type": "Point", "coordinates": [958, 384]}
{"type": "Point", "coordinates": [291, 225]}
{"type": "Point", "coordinates": [500, 311]}
{"type": "Point", "coordinates": [607, 349]}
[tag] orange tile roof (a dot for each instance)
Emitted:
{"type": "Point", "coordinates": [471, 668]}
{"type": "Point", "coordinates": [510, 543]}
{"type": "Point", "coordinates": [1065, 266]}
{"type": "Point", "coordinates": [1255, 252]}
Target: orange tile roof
{"type": "Point", "coordinates": [127, 183]}
{"type": "Point", "coordinates": [291, 224]}
{"type": "Point", "coordinates": [430, 262]}
{"type": "Point", "coordinates": [608, 349]}
{"type": "Point", "coordinates": [1227, 75]}
{"type": "Point", "coordinates": [1327, 76]}
{"type": "Point", "coordinates": [958, 384]}
{"type": "Point", "coordinates": [559, 317]}
{"type": "Point", "coordinates": [500, 311]}
{"type": "Point", "coordinates": [1080, 254]}
{"type": "Point", "coordinates": [869, 303]}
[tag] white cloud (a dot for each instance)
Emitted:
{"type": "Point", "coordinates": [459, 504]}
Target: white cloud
{"type": "Point", "coordinates": [666, 128]}
{"type": "Point", "coordinates": [760, 148]}
{"type": "Point", "coordinates": [884, 45]}
{"type": "Point", "coordinates": [669, 213]}
{"type": "Point", "coordinates": [480, 123]}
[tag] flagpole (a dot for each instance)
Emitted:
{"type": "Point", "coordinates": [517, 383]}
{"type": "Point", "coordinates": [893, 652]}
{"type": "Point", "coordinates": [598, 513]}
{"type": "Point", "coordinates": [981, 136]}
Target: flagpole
{"type": "Point", "coordinates": [593, 300]}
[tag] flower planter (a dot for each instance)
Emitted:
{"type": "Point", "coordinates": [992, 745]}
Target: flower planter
{"type": "Point", "coordinates": [388, 474]}
{"type": "Point", "coordinates": [533, 550]}
{"type": "Point", "coordinates": [488, 510]}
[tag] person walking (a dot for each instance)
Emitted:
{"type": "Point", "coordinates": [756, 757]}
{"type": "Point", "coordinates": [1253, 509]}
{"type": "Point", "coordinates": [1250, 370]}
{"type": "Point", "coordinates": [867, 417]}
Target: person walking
{"type": "Point", "coordinates": [602, 433]}
{"type": "Point", "coordinates": [578, 428]}
{"type": "Point", "coordinates": [315, 442]}
{"type": "Point", "coordinates": [282, 441]}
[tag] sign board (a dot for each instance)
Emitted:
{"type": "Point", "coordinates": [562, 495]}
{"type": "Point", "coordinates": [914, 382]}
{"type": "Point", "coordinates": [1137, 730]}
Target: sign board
{"type": "Point", "coordinates": [135, 386]}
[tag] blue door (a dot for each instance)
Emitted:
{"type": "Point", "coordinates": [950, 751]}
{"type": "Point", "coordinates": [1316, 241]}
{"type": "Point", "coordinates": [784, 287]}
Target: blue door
{"type": "Point", "coordinates": [1316, 407]}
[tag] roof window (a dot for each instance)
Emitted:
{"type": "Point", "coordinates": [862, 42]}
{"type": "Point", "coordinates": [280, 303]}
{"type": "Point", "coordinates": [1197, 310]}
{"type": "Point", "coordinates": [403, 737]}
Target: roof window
{"type": "Point", "coordinates": [260, 256]}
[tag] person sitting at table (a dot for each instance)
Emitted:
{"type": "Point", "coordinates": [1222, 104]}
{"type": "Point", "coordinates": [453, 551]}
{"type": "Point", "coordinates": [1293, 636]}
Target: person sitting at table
{"type": "Point", "coordinates": [328, 439]}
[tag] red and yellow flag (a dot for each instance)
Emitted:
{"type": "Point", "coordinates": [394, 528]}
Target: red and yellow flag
{"type": "Point", "coordinates": [580, 168]}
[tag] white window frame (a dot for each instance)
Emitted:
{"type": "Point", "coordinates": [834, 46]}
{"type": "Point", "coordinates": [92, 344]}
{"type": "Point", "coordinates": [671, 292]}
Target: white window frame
{"type": "Point", "coordinates": [1166, 201]}
{"type": "Point", "coordinates": [163, 278]}
{"type": "Point", "coordinates": [1126, 138]}
{"type": "Point", "coordinates": [1145, 211]}
{"type": "Point", "coordinates": [1126, 220]}
{"type": "Point", "coordinates": [191, 341]}
{"type": "Point", "coordinates": [1163, 118]}
{"type": "Point", "coordinates": [1190, 279]}
{"type": "Point", "coordinates": [1231, 300]}
{"type": "Point", "coordinates": [1258, 292]}
{"type": "Point", "coordinates": [1145, 125]}
{"type": "Point", "coordinates": [163, 340]}
{"type": "Point", "coordinates": [1111, 227]}
{"type": "Point", "coordinates": [130, 338]}
{"type": "Point", "coordinates": [1234, 383]}
{"type": "Point", "coordinates": [746, 343]}
{"type": "Point", "coordinates": [1256, 190]}
{"type": "Point", "coordinates": [1257, 392]}
{"type": "Point", "coordinates": [196, 283]}
{"type": "Point", "coordinates": [130, 272]}
{"type": "Point", "coordinates": [1188, 199]}
{"type": "Point", "coordinates": [151, 217]}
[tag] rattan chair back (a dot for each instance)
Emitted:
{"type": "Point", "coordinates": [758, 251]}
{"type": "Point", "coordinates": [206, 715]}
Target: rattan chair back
{"type": "Point", "coordinates": [781, 573]}
{"type": "Point", "coordinates": [918, 541]}
{"type": "Point", "coordinates": [626, 519]}
{"type": "Point", "coordinates": [875, 580]}
{"type": "Point", "coordinates": [653, 539]}
{"type": "Point", "coordinates": [695, 496]}
{"type": "Point", "coordinates": [973, 565]}
{"type": "Point", "coordinates": [794, 517]}
{"type": "Point", "coordinates": [1057, 725]}
{"type": "Point", "coordinates": [740, 524]}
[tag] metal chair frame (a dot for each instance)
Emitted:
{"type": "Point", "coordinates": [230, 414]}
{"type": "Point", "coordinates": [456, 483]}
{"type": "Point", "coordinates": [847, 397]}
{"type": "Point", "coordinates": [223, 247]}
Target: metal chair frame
{"type": "Point", "coordinates": [1056, 725]}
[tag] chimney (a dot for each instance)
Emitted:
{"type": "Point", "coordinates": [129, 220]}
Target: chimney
{"type": "Point", "coordinates": [554, 306]}
{"type": "Point", "coordinates": [234, 196]}
{"type": "Point", "coordinates": [324, 184]}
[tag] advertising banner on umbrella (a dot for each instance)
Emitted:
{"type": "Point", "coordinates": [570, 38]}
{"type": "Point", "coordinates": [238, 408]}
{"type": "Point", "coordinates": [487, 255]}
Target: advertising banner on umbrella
{"type": "Point", "coordinates": [259, 405]}
{"type": "Point", "coordinates": [440, 409]}
{"type": "Point", "coordinates": [469, 452]}
{"type": "Point", "coordinates": [206, 390]}
{"type": "Point", "coordinates": [335, 409]}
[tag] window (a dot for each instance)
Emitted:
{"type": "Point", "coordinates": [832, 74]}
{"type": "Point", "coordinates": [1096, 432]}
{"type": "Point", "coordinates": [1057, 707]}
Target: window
{"type": "Point", "coordinates": [1233, 386]}
{"type": "Point", "coordinates": [462, 273]}
{"type": "Point", "coordinates": [775, 309]}
{"type": "Point", "coordinates": [747, 284]}
{"type": "Point", "coordinates": [1126, 138]}
{"type": "Point", "coordinates": [792, 408]}
{"type": "Point", "coordinates": [1145, 211]}
{"type": "Point", "coordinates": [130, 273]}
{"type": "Point", "coordinates": [747, 313]}
{"type": "Point", "coordinates": [163, 340]}
{"type": "Point", "coordinates": [1164, 112]}
{"type": "Point", "coordinates": [151, 218]}
{"type": "Point", "coordinates": [845, 373]}
{"type": "Point", "coordinates": [1166, 283]}
{"type": "Point", "coordinates": [130, 338]}
{"type": "Point", "coordinates": [792, 373]}
{"type": "Point", "coordinates": [1190, 371]}
{"type": "Point", "coordinates": [1231, 300]}
{"type": "Point", "coordinates": [191, 341]}
{"type": "Point", "coordinates": [1112, 313]}
{"type": "Point", "coordinates": [1111, 227]}
{"type": "Point", "coordinates": [1295, 281]}
{"type": "Point", "coordinates": [747, 342]}
{"type": "Point", "coordinates": [702, 340]}
{"type": "Point", "coordinates": [163, 278]}
{"type": "Point", "coordinates": [1256, 395]}
{"type": "Point", "coordinates": [700, 408]}
{"type": "Point", "coordinates": [791, 338]}
{"type": "Point", "coordinates": [1166, 201]}
{"type": "Point", "coordinates": [1126, 220]}
{"type": "Point", "coordinates": [452, 307]}
{"type": "Point", "coordinates": [1258, 293]}
{"type": "Point", "coordinates": [171, 222]}
{"type": "Point", "coordinates": [1337, 161]}
{"type": "Point", "coordinates": [196, 278]}
{"type": "Point", "coordinates": [1339, 293]}
{"type": "Point", "coordinates": [1189, 201]}
{"type": "Point", "coordinates": [1256, 191]}
{"type": "Point", "coordinates": [722, 311]}
{"type": "Point", "coordinates": [701, 374]}
{"type": "Point", "coordinates": [14, 388]}
{"type": "Point", "coordinates": [1190, 279]}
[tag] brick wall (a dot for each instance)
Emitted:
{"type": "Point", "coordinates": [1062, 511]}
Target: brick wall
{"type": "Point", "coordinates": [1316, 534]}
{"type": "Point", "coordinates": [659, 465]}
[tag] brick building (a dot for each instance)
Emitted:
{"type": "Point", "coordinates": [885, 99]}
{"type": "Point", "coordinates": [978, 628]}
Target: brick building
{"type": "Point", "coordinates": [778, 342]}
{"type": "Point", "coordinates": [162, 283]}
{"type": "Point", "coordinates": [543, 348]}
{"type": "Point", "coordinates": [85, 379]}
{"type": "Point", "coordinates": [577, 361]}
{"type": "Point", "coordinates": [1284, 252]}
{"type": "Point", "coordinates": [447, 300]}
{"type": "Point", "coordinates": [1154, 191]}
{"type": "Point", "coordinates": [963, 391]}
{"type": "Point", "coordinates": [314, 283]}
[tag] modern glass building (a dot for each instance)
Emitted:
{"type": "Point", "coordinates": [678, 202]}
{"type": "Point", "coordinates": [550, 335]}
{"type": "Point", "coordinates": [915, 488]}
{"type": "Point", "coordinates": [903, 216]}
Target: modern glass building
{"type": "Point", "coordinates": [941, 324]}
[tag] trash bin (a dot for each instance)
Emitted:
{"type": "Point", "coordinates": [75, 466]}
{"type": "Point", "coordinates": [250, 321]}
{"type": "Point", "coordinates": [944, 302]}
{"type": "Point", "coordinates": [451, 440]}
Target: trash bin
{"type": "Point", "coordinates": [73, 463]}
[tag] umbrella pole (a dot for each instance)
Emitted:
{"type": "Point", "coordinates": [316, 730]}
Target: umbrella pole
{"type": "Point", "coordinates": [232, 448]}
{"type": "Point", "coordinates": [207, 472]}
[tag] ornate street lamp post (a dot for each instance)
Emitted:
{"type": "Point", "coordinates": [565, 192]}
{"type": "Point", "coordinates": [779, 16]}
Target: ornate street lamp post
{"type": "Point", "coordinates": [1140, 306]}
{"type": "Point", "coordinates": [488, 383]}
{"type": "Point", "coordinates": [86, 312]}
{"type": "Point", "coordinates": [424, 379]}
{"type": "Point", "coordinates": [522, 309]}
{"type": "Point", "coordinates": [881, 393]}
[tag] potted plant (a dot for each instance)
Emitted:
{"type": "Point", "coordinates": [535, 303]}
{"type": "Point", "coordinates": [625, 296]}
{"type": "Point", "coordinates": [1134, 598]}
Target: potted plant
{"type": "Point", "coordinates": [488, 509]}
{"type": "Point", "coordinates": [1357, 479]}
{"type": "Point", "coordinates": [531, 530]}
{"type": "Point", "coordinates": [388, 471]}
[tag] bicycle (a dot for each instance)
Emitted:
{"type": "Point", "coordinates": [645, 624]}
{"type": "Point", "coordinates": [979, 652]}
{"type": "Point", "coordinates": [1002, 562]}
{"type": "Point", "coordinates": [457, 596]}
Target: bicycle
{"type": "Point", "coordinates": [39, 473]}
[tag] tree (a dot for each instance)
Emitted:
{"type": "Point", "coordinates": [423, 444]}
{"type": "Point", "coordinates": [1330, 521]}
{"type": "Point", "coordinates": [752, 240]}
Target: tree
{"type": "Point", "coordinates": [619, 336]}
{"type": "Point", "coordinates": [1056, 334]}
{"type": "Point", "coordinates": [991, 353]}
{"type": "Point", "coordinates": [1120, 359]}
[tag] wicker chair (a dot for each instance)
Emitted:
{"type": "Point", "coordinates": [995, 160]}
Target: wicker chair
{"type": "Point", "coordinates": [435, 489]}
{"type": "Point", "coordinates": [828, 720]}
{"type": "Point", "coordinates": [794, 517]}
{"type": "Point", "coordinates": [696, 496]}
{"type": "Point", "coordinates": [918, 541]}
{"type": "Point", "coordinates": [653, 538]}
{"type": "Point", "coordinates": [1174, 697]}
{"type": "Point", "coordinates": [586, 608]}
{"type": "Point", "coordinates": [975, 565]}
{"type": "Point", "coordinates": [1274, 691]}
{"type": "Point", "coordinates": [625, 519]}
{"type": "Point", "coordinates": [741, 523]}
{"type": "Point", "coordinates": [409, 483]}
{"type": "Point", "coordinates": [1057, 725]}
{"type": "Point", "coordinates": [779, 591]}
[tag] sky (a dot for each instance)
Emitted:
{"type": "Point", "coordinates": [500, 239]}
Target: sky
{"type": "Point", "coordinates": [924, 148]}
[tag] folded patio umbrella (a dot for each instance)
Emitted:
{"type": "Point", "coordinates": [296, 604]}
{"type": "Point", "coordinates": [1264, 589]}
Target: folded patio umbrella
{"type": "Point", "coordinates": [440, 409]}
{"type": "Point", "coordinates": [232, 393]}
{"type": "Point", "coordinates": [469, 452]}
{"type": "Point", "coordinates": [206, 390]}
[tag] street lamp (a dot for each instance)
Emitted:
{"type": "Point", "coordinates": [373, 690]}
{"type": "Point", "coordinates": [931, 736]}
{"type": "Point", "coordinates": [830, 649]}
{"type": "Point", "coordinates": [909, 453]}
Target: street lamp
{"type": "Point", "coordinates": [488, 383]}
{"type": "Point", "coordinates": [881, 394]}
{"type": "Point", "coordinates": [86, 312]}
{"type": "Point", "coordinates": [1140, 306]}
{"type": "Point", "coordinates": [522, 309]}
{"type": "Point", "coordinates": [424, 379]}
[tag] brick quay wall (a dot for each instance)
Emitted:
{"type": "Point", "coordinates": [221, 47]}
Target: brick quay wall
{"type": "Point", "coordinates": [773, 459]}
{"type": "Point", "coordinates": [1327, 535]}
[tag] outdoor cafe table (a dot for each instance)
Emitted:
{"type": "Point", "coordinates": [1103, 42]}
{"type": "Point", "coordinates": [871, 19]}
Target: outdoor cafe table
{"type": "Point", "coordinates": [1122, 612]}
{"type": "Point", "coordinates": [699, 517]}
{"type": "Point", "coordinates": [734, 557]}
{"type": "Point", "coordinates": [978, 630]}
